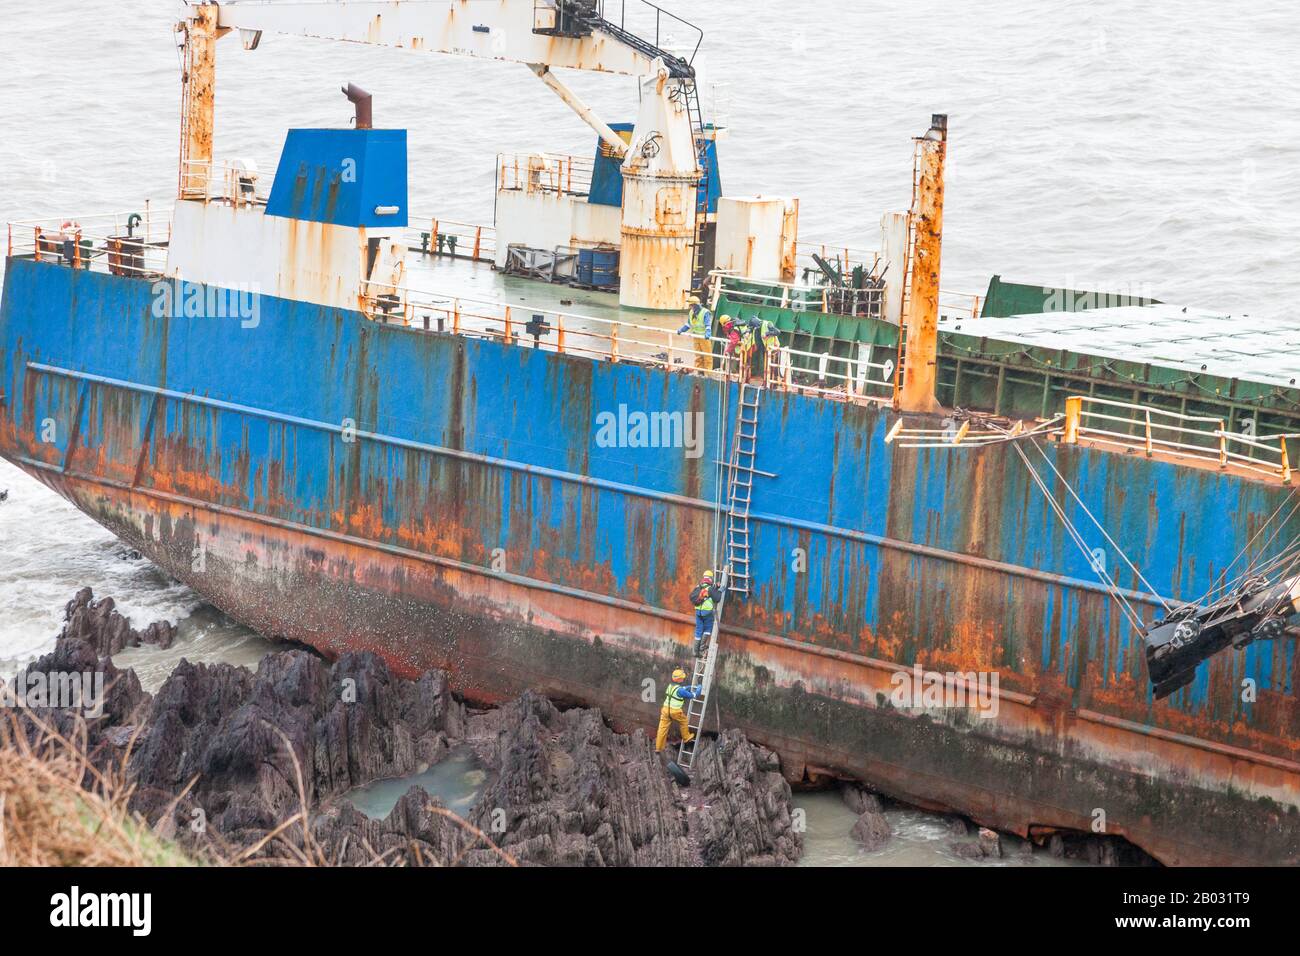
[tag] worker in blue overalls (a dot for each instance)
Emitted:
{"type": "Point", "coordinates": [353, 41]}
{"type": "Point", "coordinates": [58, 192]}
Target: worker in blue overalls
{"type": "Point", "coordinates": [705, 598]}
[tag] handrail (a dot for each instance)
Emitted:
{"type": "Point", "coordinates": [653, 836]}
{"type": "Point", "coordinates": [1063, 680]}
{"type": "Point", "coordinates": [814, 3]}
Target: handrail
{"type": "Point", "coordinates": [792, 295]}
{"type": "Point", "coordinates": [545, 172]}
{"type": "Point", "coordinates": [659, 14]}
{"type": "Point", "coordinates": [71, 244]}
{"type": "Point", "coordinates": [231, 183]}
{"type": "Point", "coordinates": [615, 340]}
{"type": "Point", "coordinates": [952, 303]}
{"type": "Point", "coordinates": [1146, 430]}
{"type": "Point", "coordinates": [433, 236]}
{"type": "Point", "coordinates": [963, 305]}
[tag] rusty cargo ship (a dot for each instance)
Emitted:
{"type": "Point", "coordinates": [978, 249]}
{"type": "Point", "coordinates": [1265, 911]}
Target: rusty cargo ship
{"type": "Point", "coordinates": [255, 386]}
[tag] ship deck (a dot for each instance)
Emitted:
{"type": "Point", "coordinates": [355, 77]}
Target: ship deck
{"type": "Point", "coordinates": [1240, 347]}
{"type": "Point", "coordinates": [1206, 388]}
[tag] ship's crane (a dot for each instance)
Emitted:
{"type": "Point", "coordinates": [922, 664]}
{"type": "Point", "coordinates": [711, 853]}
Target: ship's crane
{"type": "Point", "coordinates": [544, 35]}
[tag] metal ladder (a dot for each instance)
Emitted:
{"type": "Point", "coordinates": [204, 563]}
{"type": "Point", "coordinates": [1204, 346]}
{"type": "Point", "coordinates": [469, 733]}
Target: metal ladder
{"type": "Point", "coordinates": [702, 677]}
{"type": "Point", "coordinates": [736, 579]}
{"type": "Point", "coordinates": [740, 489]}
{"type": "Point", "coordinates": [696, 114]}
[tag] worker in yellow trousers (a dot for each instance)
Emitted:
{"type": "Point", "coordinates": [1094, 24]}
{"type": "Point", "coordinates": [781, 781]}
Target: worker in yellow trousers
{"type": "Point", "coordinates": [674, 710]}
{"type": "Point", "coordinates": [699, 323]}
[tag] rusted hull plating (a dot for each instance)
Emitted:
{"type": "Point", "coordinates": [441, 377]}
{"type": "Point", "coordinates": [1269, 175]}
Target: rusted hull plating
{"type": "Point", "coordinates": [475, 523]}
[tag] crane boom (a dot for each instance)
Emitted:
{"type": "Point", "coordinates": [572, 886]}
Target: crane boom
{"type": "Point", "coordinates": [511, 30]}
{"type": "Point", "coordinates": [665, 205]}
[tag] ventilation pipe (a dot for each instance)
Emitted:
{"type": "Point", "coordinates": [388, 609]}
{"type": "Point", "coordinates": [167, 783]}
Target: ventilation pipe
{"type": "Point", "coordinates": [360, 99]}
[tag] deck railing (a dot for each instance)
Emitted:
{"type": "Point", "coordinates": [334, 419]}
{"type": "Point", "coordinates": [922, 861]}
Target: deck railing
{"type": "Point", "coordinates": [1152, 430]}
{"type": "Point", "coordinates": [120, 243]}
{"type": "Point", "coordinates": [545, 172]}
{"type": "Point", "coordinates": [799, 297]}
{"type": "Point", "coordinates": [232, 183]}
{"type": "Point", "coordinates": [959, 305]}
{"type": "Point", "coordinates": [658, 27]}
{"type": "Point", "coordinates": [433, 236]}
{"type": "Point", "coordinates": [614, 340]}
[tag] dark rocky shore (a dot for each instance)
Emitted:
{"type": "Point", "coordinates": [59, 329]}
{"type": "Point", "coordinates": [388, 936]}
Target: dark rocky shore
{"type": "Point", "coordinates": [222, 760]}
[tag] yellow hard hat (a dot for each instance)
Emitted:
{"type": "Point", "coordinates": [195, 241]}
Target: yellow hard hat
{"type": "Point", "coordinates": [708, 574]}
{"type": "Point", "coordinates": [679, 675]}
{"type": "Point", "coordinates": [694, 300]}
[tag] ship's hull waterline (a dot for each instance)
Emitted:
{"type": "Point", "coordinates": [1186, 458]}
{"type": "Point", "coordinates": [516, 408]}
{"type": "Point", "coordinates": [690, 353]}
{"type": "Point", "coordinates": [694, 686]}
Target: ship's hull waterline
{"type": "Point", "coordinates": [445, 502]}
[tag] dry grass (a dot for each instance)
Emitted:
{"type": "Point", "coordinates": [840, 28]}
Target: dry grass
{"type": "Point", "coordinates": [47, 818]}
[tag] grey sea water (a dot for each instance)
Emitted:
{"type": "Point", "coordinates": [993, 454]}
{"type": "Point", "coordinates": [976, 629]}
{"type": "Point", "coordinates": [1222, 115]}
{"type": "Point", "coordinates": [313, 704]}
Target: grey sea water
{"type": "Point", "coordinates": [1142, 148]}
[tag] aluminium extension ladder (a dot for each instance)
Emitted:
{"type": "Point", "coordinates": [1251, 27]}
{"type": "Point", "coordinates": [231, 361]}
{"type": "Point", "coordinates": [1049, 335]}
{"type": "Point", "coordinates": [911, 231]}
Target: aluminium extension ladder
{"type": "Point", "coordinates": [736, 579]}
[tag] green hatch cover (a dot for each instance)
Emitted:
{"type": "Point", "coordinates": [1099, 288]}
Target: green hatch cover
{"type": "Point", "coordinates": [1014, 298]}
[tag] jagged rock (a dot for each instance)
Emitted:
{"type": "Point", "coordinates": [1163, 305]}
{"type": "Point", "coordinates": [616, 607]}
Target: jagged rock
{"type": "Point", "coordinates": [242, 752]}
{"type": "Point", "coordinates": [745, 818]}
{"type": "Point", "coordinates": [986, 846]}
{"type": "Point", "coordinates": [990, 843]}
{"type": "Point", "coordinates": [106, 698]}
{"type": "Point", "coordinates": [414, 833]}
{"type": "Point", "coordinates": [565, 789]}
{"type": "Point", "coordinates": [957, 826]}
{"type": "Point", "coordinates": [872, 829]}
{"type": "Point", "coordinates": [859, 799]}
{"type": "Point", "coordinates": [107, 631]}
{"type": "Point", "coordinates": [246, 739]}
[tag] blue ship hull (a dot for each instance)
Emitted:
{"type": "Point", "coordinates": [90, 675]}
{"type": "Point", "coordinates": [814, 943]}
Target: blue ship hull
{"type": "Point", "coordinates": [447, 501]}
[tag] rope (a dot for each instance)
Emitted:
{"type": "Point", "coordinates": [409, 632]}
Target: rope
{"type": "Point", "coordinates": [723, 452]}
{"type": "Point", "coordinates": [1110, 585]}
{"type": "Point", "coordinates": [1251, 567]}
{"type": "Point", "coordinates": [1109, 539]}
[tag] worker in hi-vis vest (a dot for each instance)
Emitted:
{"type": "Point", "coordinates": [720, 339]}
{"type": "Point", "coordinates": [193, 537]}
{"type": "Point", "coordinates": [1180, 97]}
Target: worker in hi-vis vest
{"type": "Point", "coordinates": [748, 340]}
{"type": "Point", "coordinates": [705, 598]}
{"type": "Point", "coordinates": [699, 322]}
{"type": "Point", "coordinates": [674, 710]}
{"type": "Point", "coordinates": [771, 349]}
